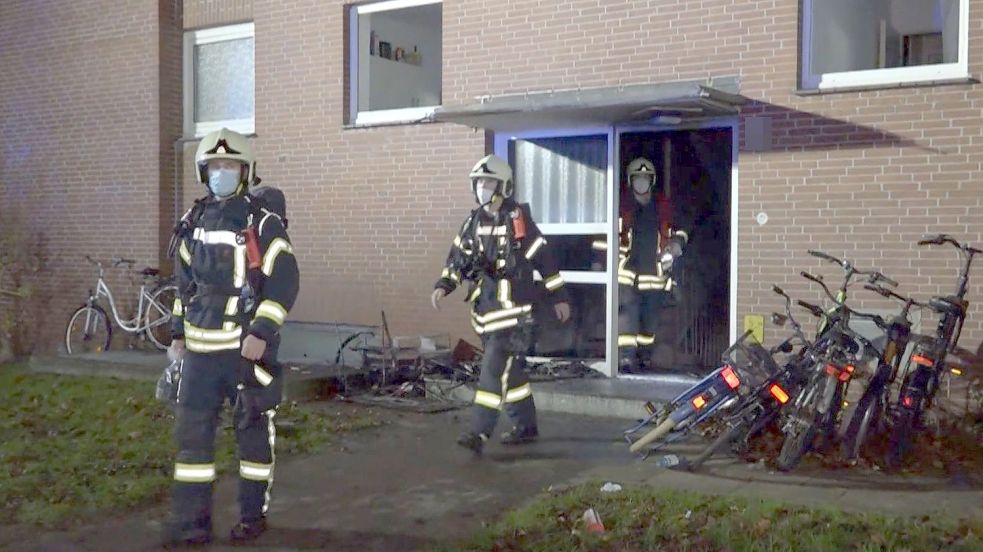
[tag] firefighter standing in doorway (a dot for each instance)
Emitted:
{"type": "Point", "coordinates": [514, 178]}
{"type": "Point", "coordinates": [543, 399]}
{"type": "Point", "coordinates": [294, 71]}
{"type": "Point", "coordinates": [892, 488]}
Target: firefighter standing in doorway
{"type": "Point", "coordinates": [648, 246]}
{"type": "Point", "coordinates": [237, 280]}
{"type": "Point", "coordinates": [497, 249]}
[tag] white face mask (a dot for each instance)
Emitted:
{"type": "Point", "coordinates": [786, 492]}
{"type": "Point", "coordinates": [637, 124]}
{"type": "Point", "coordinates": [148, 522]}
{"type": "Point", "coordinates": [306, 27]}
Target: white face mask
{"type": "Point", "coordinates": [223, 182]}
{"type": "Point", "coordinates": [641, 183]}
{"type": "Point", "coordinates": [485, 195]}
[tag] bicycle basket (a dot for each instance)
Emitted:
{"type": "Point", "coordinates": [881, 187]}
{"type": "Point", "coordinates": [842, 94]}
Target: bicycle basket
{"type": "Point", "coordinates": [752, 361]}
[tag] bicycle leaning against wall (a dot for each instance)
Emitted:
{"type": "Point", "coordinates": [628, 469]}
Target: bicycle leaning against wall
{"type": "Point", "coordinates": [89, 329]}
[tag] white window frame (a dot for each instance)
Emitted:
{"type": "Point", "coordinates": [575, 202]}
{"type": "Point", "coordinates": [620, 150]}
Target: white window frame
{"type": "Point", "coordinates": [379, 116]}
{"type": "Point", "coordinates": [887, 77]}
{"type": "Point", "coordinates": [209, 36]}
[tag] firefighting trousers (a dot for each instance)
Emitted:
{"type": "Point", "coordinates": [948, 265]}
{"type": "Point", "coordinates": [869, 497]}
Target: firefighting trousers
{"type": "Point", "coordinates": [207, 380]}
{"type": "Point", "coordinates": [637, 319]}
{"type": "Point", "coordinates": [503, 384]}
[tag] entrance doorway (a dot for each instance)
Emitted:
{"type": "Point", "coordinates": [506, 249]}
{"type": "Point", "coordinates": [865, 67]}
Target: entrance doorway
{"type": "Point", "coordinates": [574, 181]}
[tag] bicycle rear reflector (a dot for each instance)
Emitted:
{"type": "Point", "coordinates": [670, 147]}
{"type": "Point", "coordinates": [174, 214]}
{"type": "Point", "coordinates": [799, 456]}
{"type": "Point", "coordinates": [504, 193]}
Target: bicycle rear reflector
{"type": "Point", "coordinates": [909, 402]}
{"type": "Point", "coordinates": [845, 374]}
{"type": "Point", "coordinates": [779, 393]}
{"type": "Point", "coordinates": [922, 361]}
{"type": "Point", "coordinates": [731, 378]}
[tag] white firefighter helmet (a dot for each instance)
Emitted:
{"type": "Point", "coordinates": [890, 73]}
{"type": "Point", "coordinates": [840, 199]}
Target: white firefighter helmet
{"type": "Point", "coordinates": [493, 166]}
{"type": "Point", "coordinates": [641, 166]}
{"type": "Point", "coordinates": [225, 144]}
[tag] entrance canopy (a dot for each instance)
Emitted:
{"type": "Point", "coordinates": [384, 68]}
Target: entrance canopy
{"type": "Point", "coordinates": [659, 103]}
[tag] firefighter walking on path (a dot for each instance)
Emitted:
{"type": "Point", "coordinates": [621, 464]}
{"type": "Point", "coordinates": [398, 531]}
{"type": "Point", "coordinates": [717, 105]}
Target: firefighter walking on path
{"type": "Point", "coordinates": [237, 280]}
{"type": "Point", "coordinates": [496, 252]}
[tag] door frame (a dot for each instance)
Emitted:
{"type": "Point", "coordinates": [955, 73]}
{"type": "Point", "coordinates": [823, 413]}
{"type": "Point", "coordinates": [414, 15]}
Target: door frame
{"type": "Point", "coordinates": [610, 277]}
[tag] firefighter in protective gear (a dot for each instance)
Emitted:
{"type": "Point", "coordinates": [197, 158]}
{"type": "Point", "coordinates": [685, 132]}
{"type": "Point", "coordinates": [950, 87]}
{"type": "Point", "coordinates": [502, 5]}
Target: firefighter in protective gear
{"type": "Point", "coordinates": [648, 246]}
{"type": "Point", "coordinates": [496, 251]}
{"type": "Point", "coordinates": [233, 299]}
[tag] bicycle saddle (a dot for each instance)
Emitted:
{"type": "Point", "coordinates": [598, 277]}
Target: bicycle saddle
{"type": "Point", "coordinates": [150, 272]}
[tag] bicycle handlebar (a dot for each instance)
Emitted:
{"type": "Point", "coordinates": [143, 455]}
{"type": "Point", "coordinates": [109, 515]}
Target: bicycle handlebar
{"type": "Point", "coordinates": [891, 294]}
{"type": "Point", "coordinates": [815, 310]}
{"type": "Point", "coordinates": [946, 238]}
{"type": "Point", "coordinates": [877, 276]}
{"type": "Point", "coordinates": [796, 327]}
{"type": "Point", "coordinates": [851, 269]}
{"type": "Point", "coordinates": [825, 257]}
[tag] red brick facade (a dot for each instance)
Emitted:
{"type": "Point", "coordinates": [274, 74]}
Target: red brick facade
{"type": "Point", "coordinates": [861, 174]}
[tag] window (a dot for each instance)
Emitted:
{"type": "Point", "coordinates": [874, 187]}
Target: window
{"type": "Point", "coordinates": [219, 80]}
{"type": "Point", "coordinates": [395, 61]}
{"type": "Point", "coordinates": [846, 43]}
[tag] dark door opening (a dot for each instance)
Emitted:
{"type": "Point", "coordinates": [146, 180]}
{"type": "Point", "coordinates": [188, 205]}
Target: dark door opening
{"type": "Point", "coordinates": [693, 169]}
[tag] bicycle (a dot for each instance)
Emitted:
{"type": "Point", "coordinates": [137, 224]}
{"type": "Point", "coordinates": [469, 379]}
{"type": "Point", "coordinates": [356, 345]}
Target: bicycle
{"type": "Point", "coordinates": [152, 318]}
{"type": "Point", "coordinates": [817, 407]}
{"type": "Point", "coordinates": [919, 385]}
{"type": "Point", "coordinates": [761, 407]}
{"type": "Point", "coordinates": [873, 407]}
{"type": "Point", "coordinates": [744, 366]}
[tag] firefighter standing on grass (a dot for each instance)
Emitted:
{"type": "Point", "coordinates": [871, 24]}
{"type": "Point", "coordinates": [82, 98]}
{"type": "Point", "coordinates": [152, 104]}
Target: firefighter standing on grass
{"type": "Point", "coordinates": [237, 279]}
{"type": "Point", "coordinates": [648, 246]}
{"type": "Point", "coordinates": [496, 251]}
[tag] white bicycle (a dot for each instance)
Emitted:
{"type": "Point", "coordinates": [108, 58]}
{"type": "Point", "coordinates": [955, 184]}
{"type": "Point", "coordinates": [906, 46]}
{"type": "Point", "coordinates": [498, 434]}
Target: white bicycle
{"type": "Point", "coordinates": [89, 329]}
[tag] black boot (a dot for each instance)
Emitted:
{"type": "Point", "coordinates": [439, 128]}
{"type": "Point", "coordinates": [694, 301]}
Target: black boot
{"type": "Point", "coordinates": [519, 435]}
{"type": "Point", "coordinates": [473, 441]}
{"type": "Point", "coordinates": [247, 530]}
{"type": "Point", "coordinates": [179, 533]}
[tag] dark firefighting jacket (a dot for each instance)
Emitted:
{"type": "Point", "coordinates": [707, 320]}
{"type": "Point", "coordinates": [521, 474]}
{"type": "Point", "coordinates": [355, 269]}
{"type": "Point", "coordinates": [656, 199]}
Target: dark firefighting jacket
{"type": "Point", "coordinates": [220, 297]}
{"type": "Point", "coordinates": [498, 256]}
{"type": "Point", "coordinates": [644, 232]}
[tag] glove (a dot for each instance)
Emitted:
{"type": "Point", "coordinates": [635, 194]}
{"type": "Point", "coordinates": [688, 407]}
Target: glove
{"type": "Point", "coordinates": [674, 247]}
{"type": "Point", "coordinates": [666, 262]}
{"type": "Point", "coordinates": [169, 383]}
{"type": "Point", "coordinates": [175, 353]}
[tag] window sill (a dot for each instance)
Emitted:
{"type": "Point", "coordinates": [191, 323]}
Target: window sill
{"type": "Point", "coordinates": [393, 117]}
{"type": "Point", "coordinates": [868, 87]}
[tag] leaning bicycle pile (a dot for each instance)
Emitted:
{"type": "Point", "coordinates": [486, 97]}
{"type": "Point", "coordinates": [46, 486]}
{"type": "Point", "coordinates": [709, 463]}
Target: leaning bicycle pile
{"type": "Point", "coordinates": [797, 390]}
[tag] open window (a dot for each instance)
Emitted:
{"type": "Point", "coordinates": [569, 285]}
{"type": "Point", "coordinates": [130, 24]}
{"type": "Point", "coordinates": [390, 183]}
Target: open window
{"type": "Point", "coordinates": [219, 80]}
{"type": "Point", "coordinates": [874, 43]}
{"type": "Point", "coordinates": [395, 61]}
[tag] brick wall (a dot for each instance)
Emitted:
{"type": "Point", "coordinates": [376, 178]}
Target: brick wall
{"type": "Point", "coordinates": [861, 174]}
{"type": "Point", "coordinates": [210, 13]}
{"type": "Point", "coordinates": [372, 211]}
{"type": "Point", "coordinates": [81, 159]}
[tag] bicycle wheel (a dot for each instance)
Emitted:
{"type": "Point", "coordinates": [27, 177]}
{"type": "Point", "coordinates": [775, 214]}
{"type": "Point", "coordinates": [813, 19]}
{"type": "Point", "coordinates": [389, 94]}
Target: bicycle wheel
{"type": "Point", "coordinates": [158, 317]}
{"type": "Point", "coordinates": [797, 443]}
{"type": "Point", "coordinates": [726, 437]}
{"type": "Point", "coordinates": [828, 422]}
{"type": "Point", "coordinates": [901, 437]}
{"type": "Point", "coordinates": [865, 418]}
{"type": "Point", "coordinates": [88, 331]}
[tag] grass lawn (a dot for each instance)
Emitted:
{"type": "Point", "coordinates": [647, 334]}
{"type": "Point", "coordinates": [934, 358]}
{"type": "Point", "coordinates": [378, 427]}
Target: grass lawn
{"type": "Point", "coordinates": [649, 519]}
{"type": "Point", "coordinates": [75, 447]}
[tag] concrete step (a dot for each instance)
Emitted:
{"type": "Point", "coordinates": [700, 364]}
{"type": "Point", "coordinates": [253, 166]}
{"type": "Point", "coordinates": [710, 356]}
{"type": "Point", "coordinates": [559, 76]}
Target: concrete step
{"type": "Point", "coordinates": [612, 398]}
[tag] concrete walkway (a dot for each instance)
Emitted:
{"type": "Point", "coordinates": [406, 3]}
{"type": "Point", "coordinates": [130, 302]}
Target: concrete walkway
{"type": "Point", "coordinates": [405, 486]}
